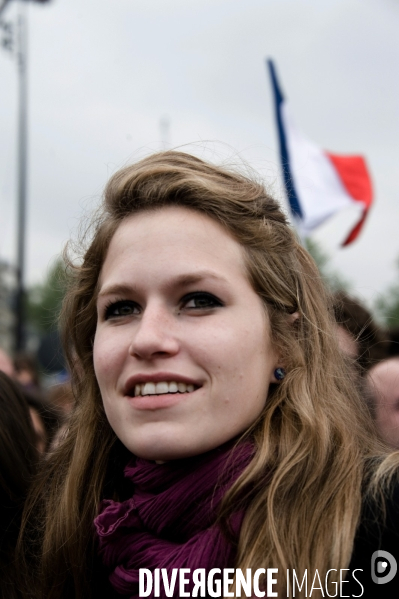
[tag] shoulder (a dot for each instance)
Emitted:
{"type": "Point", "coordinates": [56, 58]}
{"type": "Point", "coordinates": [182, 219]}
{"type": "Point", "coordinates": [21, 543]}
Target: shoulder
{"type": "Point", "coordinates": [375, 555]}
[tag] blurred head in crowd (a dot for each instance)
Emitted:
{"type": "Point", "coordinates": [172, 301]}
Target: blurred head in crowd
{"type": "Point", "coordinates": [18, 457]}
{"type": "Point", "coordinates": [358, 335]}
{"type": "Point", "coordinates": [26, 370]}
{"type": "Point", "coordinates": [383, 388]}
{"type": "Point", "coordinates": [46, 418]}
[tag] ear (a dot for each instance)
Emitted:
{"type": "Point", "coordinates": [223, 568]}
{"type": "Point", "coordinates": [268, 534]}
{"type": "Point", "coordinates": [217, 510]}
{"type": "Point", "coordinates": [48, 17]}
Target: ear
{"type": "Point", "coordinates": [279, 371]}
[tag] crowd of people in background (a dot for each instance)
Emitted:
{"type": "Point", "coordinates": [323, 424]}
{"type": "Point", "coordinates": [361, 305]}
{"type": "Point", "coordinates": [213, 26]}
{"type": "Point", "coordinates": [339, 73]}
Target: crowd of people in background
{"type": "Point", "coordinates": [33, 419]}
{"type": "Point", "coordinates": [49, 406]}
{"type": "Point", "coordinates": [375, 355]}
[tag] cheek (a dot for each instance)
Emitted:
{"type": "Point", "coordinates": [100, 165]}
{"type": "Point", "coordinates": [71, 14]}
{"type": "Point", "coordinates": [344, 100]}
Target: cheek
{"type": "Point", "coordinates": [258, 363]}
{"type": "Point", "coordinates": [242, 361]}
{"type": "Point", "coordinates": [106, 357]}
{"type": "Point", "coordinates": [255, 350]}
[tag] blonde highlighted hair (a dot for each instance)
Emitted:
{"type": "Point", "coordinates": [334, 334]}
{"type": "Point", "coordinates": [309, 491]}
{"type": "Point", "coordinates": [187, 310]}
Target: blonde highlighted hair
{"type": "Point", "coordinates": [316, 452]}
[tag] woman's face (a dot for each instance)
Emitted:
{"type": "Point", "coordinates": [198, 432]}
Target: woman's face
{"type": "Point", "coordinates": [182, 349]}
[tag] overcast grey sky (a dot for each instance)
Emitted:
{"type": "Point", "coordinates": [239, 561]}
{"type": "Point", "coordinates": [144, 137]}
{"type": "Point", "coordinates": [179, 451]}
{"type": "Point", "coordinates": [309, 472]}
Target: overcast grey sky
{"type": "Point", "coordinates": [102, 75]}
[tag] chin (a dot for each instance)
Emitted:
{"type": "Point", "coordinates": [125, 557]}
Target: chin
{"type": "Point", "coordinates": [165, 447]}
{"type": "Point", "coordinates": [163, 453]}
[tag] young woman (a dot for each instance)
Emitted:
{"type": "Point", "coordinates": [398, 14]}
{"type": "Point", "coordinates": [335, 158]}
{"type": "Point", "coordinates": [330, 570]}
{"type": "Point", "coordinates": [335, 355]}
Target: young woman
{"type": "Point", "coordinates": [217, 424]}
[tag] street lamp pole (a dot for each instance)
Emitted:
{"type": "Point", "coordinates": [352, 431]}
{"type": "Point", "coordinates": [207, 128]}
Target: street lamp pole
{"type": "Point", "coordinates": [22, 58]}
{"type": "Point", "coordinates": [22, 175]}
{"type": "Point", "coordinates": [3, 4]}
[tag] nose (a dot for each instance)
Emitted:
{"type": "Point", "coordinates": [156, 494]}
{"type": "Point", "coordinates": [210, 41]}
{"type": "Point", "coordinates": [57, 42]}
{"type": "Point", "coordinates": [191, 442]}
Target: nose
{"type": "Point", "coordinates": [155, 334]}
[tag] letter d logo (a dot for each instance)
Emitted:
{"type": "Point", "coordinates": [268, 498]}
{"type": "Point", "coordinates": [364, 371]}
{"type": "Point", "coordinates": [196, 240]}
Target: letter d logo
{"type": "Point", "coordinates": [383, 567]}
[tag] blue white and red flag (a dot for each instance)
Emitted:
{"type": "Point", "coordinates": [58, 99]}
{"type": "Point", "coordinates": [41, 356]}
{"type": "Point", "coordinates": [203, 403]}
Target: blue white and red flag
{"type": "Point", "coordinates": [318, 184]}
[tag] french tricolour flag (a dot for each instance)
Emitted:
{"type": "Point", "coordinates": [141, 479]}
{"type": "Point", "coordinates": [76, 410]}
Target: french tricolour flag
{"type": "Point", "coordinates": [318, 183]}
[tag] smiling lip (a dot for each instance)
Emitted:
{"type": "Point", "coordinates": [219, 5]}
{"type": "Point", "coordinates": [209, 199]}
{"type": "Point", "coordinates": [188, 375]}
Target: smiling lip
{"type": "Point", "coordinates": [156, 402]}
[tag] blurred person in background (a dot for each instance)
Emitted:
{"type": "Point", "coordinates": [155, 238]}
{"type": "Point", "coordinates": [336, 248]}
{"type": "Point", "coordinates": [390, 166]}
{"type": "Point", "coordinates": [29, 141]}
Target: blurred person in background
{"type": "Point", "coordinates": [46, 418]}
{"type": "Point", "coordinates": [27, 371]}
{"type": "Point", "coordinates": [359, 337]}
{"type": "Point", "coordinates": [383, 396]}
{"type": "Point", "coordinates": [18, 458]}
{"type": "Point", "coordinates": [367, 347]}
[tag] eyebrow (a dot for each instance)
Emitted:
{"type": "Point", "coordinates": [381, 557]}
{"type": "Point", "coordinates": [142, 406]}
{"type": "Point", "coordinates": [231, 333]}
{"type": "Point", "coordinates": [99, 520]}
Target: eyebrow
{"type": "Point", "coordinates": [179, 281]}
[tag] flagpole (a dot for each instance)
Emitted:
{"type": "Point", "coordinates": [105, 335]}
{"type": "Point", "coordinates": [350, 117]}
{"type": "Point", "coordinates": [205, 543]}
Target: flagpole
{"type": "Point", "coordinates": [22, 174]}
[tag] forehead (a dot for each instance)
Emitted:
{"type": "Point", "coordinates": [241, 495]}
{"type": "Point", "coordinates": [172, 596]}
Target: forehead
{"type": "Point", "coordinates": [172, 239]}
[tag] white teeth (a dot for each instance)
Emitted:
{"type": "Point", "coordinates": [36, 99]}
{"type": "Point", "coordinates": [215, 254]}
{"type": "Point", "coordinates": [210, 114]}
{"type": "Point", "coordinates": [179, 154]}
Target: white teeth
{"type": "Point", "coordinates": [148, 389]}
{"type": "Point", "coordinates": [162, 387]}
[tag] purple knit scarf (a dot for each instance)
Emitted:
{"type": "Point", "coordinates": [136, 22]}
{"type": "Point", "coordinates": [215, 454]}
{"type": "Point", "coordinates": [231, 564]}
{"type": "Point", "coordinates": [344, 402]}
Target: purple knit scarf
{"type": "Point", "coordinates": [170, 522]}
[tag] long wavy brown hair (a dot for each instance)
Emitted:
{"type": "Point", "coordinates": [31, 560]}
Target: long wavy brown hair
{"type": "Point", "coordinates": [314, 439]}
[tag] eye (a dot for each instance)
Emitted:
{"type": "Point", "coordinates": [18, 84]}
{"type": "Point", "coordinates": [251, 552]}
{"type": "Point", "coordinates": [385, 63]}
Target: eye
{"type": "Point", "coordinates": [201, 300]}
{"type": "Point", "coordinates": [120, 309]}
